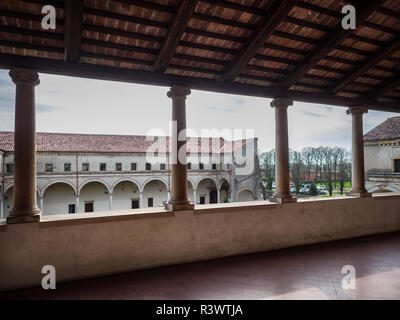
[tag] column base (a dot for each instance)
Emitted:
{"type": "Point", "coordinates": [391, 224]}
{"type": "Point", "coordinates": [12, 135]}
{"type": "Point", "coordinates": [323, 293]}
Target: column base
{"type": "Point", "coordinates": [179, 206]}
{"type": "Point", "coordinates": [24, 216]}
{"type": "Point", "coordinates": [359, 194]}
{"type": "Point", "coordinates": [282, 199]}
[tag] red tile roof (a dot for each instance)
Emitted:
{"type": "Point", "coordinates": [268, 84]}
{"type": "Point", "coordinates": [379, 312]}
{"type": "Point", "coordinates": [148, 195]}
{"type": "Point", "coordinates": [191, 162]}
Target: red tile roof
{"type": "Point", "coordinates": [389, 129]}
{"type": "Point", "coordinates": [99, 143]}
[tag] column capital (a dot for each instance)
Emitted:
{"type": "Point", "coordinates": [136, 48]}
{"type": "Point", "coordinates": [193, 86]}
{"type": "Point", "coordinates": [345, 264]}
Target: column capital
{"type": "Point", "coordinates": [179, 91]}
{"type": "Point", "coordinates": [281, 102]}
{"type": "Point", "coordinates": [357, 110]}
{"type": "Point", "coordinates": [22, 75]}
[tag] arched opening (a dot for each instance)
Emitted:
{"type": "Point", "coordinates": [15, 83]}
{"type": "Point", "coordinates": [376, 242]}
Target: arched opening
{"type": "Point", "coordinates": [224, 191]}
{"type": "Point", "coordinates": [126, 195]}
{"type": "Point", "coordinates": [154, 194]}
{"type": "Point", "coordinates": [59, 198]}
{"type": "Point", "coordinates": [245, 195]}
{"type": "Point", "coordinates": [94, 196]}
{"type": "Point", "coordinates": [207, 191]}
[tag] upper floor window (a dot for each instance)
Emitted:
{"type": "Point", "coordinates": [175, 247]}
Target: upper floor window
{"type": "Point", "coordinates": [201, 166]}
{"type": "Point", "coordinates": [133, 166]}
{"type": "Point", "coordinates": [189, 166]}
{"type": "Point", "coordinates": [85, 166]}
{"type": "Point", "coordinates": [162, 166]}
{"type": "Point", "coordinates": [118, 166]}
{"type": "Point", "coordinates": [214, 166]}
{"type": "Point", "coordinates": [48, 167]}
{"type": "Point", "coordinates": [10, 167]}
{"type": "Point", "coordinates": [148, 166]}
{"type": "Point", "coordinates": [67, 167]}
{"type": "Point", "coordinates": [397, 165]}
{"type": "Point", "coordinates": [103, 167]}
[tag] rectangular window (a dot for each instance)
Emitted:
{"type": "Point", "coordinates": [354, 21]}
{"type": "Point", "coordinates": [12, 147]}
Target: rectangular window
{"type": "Point", "coordinates": [202, 200]}
{"type": "Point", "coordinates": [71, 208]}
{"type": "Point", "coordinates": [85, 166]}
{"type": "Point", "coordinates": [89, 207]}
{"type": "Point", "coordinates": [148, 166]}
{"type": "Point", "coordinates": [189, 166]}
{"type": "Point", "coordinates": [214, 166]}
{"type": "Point", "coordinates": [103, 167]}
{"type": "Point", "coordinates": [135, 204]}
{"type": "Point", "coordinates": [150, 202]}
{"type": "Point", "coordinates": [162, 166]}
{"type": "Point", "coordinates": [201, 166]}
{"type": "Point", "coordinates": [397, 165]}
{"type": "Point", "coordinates": [48, 167]}
{"type": "Point", "coordinates": [118, 167]}
{"type": "Point", "coordinates": [133, 166]}
{"type": "Point", "coordinates": [10, 167]}
{"type": "Point", "coordinates": [67, 167]}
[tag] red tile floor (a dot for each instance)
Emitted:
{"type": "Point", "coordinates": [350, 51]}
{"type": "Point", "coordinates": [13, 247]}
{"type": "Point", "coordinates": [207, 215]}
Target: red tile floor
{"type": "Point", "coordinates": [309, 272]}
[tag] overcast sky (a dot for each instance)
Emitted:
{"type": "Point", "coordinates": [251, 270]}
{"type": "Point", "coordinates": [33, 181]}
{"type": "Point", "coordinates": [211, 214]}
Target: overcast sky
{"type": "Point", "coordinates": [75, 105]}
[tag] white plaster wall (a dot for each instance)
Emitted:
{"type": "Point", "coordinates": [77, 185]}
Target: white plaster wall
{"type": "Point", "coordinates": [8, 202]}
{"type": "Point", "coordinates": [379, 158]}
{"type": "Point", "coordinates": [123, 194]}
{"type": "Point", "coordinates": [95, 192]}
{"type": "Point", "coordinates": [157, 190]}
{"type": "Point", "coordinates": [99, 245]}
{"type": "Point", "coordinates": [57, 198]}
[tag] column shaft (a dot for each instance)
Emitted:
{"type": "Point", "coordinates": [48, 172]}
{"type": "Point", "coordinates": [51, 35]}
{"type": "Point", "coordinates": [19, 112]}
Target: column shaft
{"type": "Point", "coordinates": [110, 202]}
{"type": "Point", "coordinates": [282, 174]}
{"type": "Point", "coordinates": [179, 195]}
{"type": "Point", "coordinates": [77, 204]}
{"type": "Point", "coordinates": [25, 208]}
{"type": "Point", "coordinates": [357, 169]}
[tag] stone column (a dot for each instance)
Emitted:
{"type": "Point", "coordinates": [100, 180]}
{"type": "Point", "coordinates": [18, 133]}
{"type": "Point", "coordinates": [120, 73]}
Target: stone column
{"type": "Point", "coordinates": [77, 204]}
{"type": "Point", "coordinates": [1, 207]}
{"type": "Point", "coordinates": [282, 175]}
{"type": "Point", "coordinates": [194, 196]}
{"type": "Point", "coordinates": [358, 175]}
{"type": "Point", "coordinates": [179, 195]}
{"type": "Point", "coordinates": [141, 199]}
{"type": "Point", "coordinates": [25, 208]}
{"type": "Point", "coordinates": [41, 206]}
{"type": "Point", "coordinates": [110, 202]}
{"type": "Point", "coordinates": [218, 195]}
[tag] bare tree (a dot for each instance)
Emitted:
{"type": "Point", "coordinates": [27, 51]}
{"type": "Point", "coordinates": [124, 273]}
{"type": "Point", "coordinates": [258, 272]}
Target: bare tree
{"type": "Point", "coordinates": [328, 162]}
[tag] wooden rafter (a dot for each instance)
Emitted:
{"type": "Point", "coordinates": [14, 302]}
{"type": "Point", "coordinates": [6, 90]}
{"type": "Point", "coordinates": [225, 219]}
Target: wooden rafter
{"type": "Point", "coordinates": [331, 41]}
{"type": "Point", "coordinates": [73, 30]}
{"type": "Point", "coordinates": [387, 86]}
{"type": "Point", "coordinates": [174, 35]}
{"type": "Point", "coordinates": [277, 12]}
{"type": "Point", "coordinates": [371, 62]}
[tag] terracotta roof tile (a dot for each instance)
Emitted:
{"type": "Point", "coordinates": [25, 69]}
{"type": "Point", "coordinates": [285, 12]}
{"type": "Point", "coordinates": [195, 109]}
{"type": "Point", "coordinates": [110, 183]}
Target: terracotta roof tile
{"type": "Point", "coordinates": [67, 142]}
{"type": "Point", "coordinates": [389, 129]}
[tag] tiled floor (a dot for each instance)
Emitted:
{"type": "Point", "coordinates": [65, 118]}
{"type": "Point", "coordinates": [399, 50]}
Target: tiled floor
{"type": "Point", "coordinates": [310, 272]}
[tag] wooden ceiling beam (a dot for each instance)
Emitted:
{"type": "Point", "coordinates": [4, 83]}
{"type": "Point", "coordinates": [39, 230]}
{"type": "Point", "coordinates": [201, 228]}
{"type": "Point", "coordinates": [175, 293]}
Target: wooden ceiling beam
{"type": "Point", "coordinates": [73, 12]}
{"type": "Point", "coordinates": [175, 32]}
{"type": "Point", "coordinates": [331, 41]}
{"type": "Point", "coordinates": [365, 66]}
{"type": "Point", "coordinates": [388, 86]}
{"type": "Point", "coordinates": [279, 9]}
{"type": "Point", "coordinates": [99, 72]}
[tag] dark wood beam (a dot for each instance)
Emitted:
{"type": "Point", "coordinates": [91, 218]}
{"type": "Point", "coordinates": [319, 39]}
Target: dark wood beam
{"type": "Point", "coordinates": [73, 11]}
{"type": "Point", "coordinates": [176, 30]}
{"type": "Point", "coordinates": [330, 41]}
{"type": "Point", "coordinates": [276, 13]}
{"type": "Point", "coordinates": [99, 72]}
{"type": "Point", "coordinates": [366, 65]}
{"type": "Point", "coordinates": [387, 86]}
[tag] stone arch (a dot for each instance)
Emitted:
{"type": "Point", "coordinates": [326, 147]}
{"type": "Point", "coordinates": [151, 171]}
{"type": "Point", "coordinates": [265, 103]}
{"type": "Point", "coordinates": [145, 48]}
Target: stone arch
{"type": "Point", "coordinates": [153, 195]}
{"type": "Point", "coordinates": [136, 183]}
{"type": "Point", "coordinates": [225, 193]}
{"type": "Point", "coordinates": [125, 195]}
{"type": "Point", "coordinates": [383, 187]}
{"type": "Point", "coordinates": [205, 178]}
{"type": "Point", "coordinates": [243, 195]}
{"type": "Point", "coordinates": [221, 182]}
{"type": "Point", "coordinates": [43, 191]}
{"type": "Point", "coordinates": [207, 193]}
{"type": "Point", "coordinates": [92, 181]}
{"type": "Point", "coordinates": [57, 196]}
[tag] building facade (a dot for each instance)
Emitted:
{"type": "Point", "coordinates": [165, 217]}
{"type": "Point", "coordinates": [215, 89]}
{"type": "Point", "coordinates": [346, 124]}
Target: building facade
{"type": "Point", "coordinates": [86, 173]}
{"type": "Point", "coordinates": [382, 157]}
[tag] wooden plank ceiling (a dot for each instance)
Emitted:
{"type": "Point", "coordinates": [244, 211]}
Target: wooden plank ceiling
{"type": "Point", "coordinates": [265, 48]}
